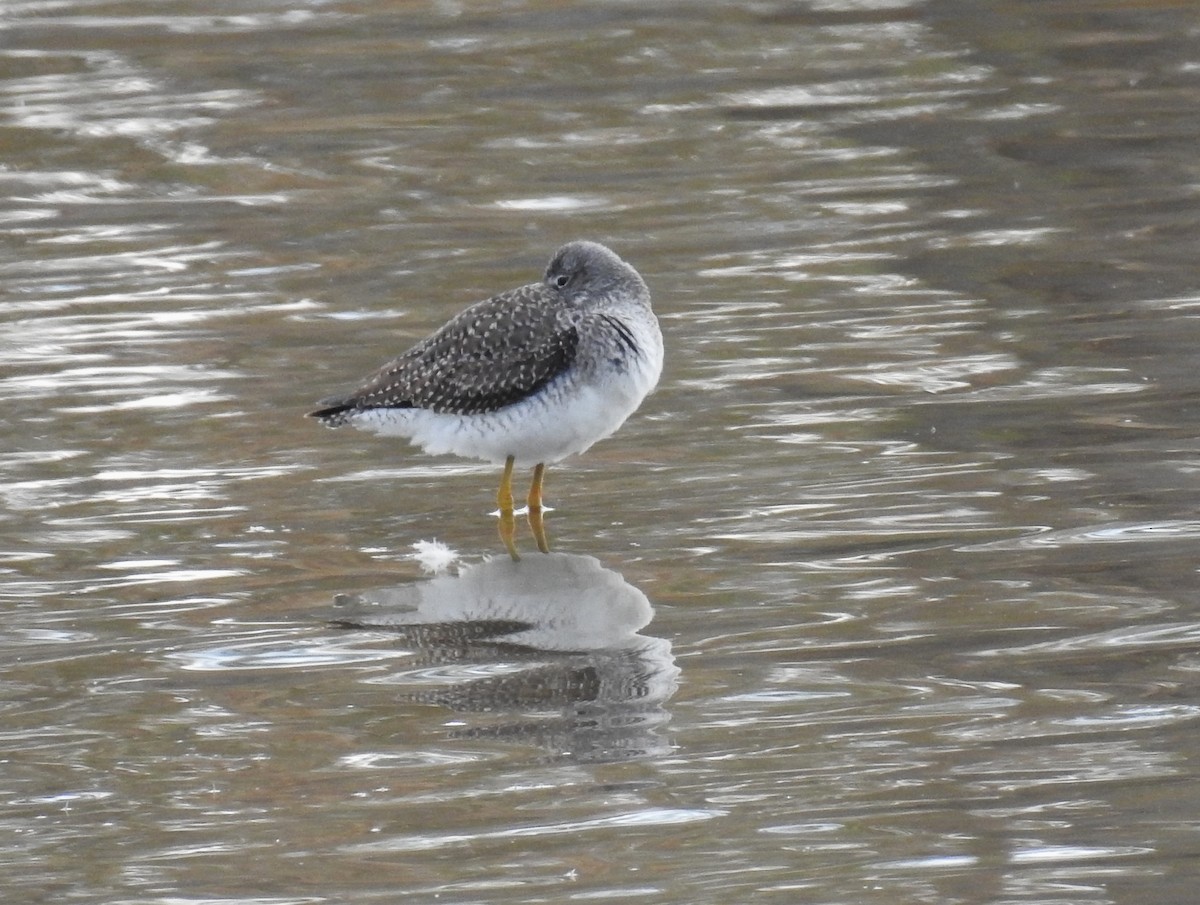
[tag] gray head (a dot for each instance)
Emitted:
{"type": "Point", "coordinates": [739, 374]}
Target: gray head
{"type": "Point", "coordinates": [584, 273]}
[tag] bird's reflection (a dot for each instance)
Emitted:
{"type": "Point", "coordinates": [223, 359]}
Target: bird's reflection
{"type": "Point", "coordinates": [552, 649]}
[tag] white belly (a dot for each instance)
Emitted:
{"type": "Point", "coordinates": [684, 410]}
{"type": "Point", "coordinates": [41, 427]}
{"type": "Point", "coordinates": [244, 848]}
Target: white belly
{"type": "Point", "coordinates": [563, 419]}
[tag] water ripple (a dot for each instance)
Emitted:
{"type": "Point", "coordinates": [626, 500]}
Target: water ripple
{"type": "Point", "coordinates": [647, 817]}
{"type": "Point", "coordinates": [1110, 533]}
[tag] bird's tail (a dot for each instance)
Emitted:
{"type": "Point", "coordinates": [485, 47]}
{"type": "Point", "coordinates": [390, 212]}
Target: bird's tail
{"type": "Point", "coordinates": [334, 412]}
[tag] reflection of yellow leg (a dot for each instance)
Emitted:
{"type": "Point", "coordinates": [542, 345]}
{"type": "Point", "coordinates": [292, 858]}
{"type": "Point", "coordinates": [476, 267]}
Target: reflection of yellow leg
{"type": "Point", "coordinates": [536, 523]}
{"type": "Point", "coordinates": [504, 499]}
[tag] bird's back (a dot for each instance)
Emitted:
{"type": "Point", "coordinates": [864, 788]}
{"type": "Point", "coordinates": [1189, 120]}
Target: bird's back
{"type": "Point", "coordinates": [491, 355]}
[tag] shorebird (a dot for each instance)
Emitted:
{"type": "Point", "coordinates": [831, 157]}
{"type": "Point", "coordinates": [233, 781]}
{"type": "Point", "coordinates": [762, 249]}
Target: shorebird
{"type": "Point", "coordinates": [526, 377]}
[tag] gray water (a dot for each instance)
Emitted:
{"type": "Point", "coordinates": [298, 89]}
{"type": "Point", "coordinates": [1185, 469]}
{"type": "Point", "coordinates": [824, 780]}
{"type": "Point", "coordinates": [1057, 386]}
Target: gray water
{"type": "Point", "coordinates": [887, 595]}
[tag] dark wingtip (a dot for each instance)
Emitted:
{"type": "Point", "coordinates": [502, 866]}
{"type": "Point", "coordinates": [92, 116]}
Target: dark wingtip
{"type": "Point", "coordinates": [332, 415]}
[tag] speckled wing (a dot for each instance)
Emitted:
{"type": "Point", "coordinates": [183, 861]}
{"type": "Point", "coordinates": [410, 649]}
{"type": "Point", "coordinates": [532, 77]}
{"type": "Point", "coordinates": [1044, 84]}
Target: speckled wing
{"type": "Point", "coordinates": [493, 354]}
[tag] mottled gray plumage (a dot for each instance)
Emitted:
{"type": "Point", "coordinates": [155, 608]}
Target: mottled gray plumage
{"type": "Point", "coordinates": [501, 350]}
{"type": "Point", "coordinates": [491, 355]}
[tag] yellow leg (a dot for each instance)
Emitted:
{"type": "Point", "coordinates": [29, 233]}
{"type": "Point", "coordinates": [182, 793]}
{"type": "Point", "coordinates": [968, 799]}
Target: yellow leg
{"type": "Point", "coordinates": [504, 499]}
{"type": "Point", "coordinates": [535, 490]}
{"type": "Point", "coordinates": [536, 523]}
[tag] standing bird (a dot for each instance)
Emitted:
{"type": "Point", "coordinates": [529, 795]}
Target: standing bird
{"type": "Point", "coordinates": [529, 376]}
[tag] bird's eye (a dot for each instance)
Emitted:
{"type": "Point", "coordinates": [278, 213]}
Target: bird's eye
{"type": "Point", "coordinates": [561, 280]}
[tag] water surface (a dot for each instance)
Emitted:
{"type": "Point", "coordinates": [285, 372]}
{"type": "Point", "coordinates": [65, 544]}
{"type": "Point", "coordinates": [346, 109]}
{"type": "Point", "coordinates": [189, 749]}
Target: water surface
{"type": "Point", "coordinates": [886, 595]}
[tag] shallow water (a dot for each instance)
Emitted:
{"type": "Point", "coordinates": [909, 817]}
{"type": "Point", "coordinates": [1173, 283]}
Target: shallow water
{"type": "Point", "coordinates": [887, 595]}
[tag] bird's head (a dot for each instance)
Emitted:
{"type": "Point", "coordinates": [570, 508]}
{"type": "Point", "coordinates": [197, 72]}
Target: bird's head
{"type": "Point", "coordinates": [586, 273]}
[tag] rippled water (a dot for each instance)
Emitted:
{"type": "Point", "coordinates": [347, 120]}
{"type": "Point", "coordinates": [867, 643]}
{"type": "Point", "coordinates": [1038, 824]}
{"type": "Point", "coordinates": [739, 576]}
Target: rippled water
{"type": "Point", "coordinates": [887, 595]}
